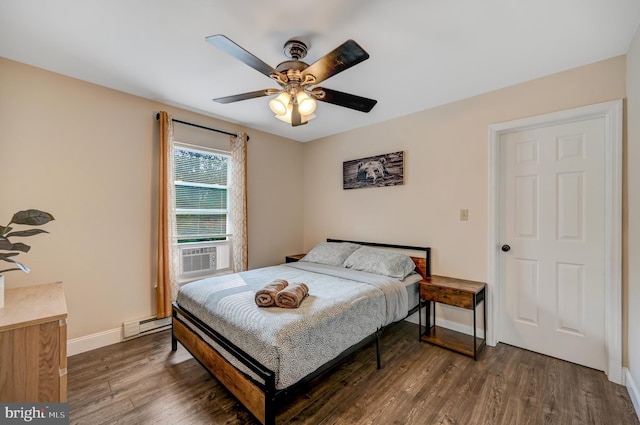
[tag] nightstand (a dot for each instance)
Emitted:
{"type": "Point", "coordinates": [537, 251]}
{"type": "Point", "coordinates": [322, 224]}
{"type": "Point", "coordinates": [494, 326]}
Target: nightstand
{"type": "Point", "coordinates": [293, 258]}
{"type": "Point", "coordinates": [459, 293]}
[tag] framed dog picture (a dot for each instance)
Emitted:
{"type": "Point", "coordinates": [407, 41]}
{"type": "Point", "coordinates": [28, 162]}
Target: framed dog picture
{"type": "Point", "coordinates": [374, 171]}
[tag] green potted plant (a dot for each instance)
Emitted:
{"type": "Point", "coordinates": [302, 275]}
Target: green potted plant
{"type": "Point", "coordinates": [9, 250]}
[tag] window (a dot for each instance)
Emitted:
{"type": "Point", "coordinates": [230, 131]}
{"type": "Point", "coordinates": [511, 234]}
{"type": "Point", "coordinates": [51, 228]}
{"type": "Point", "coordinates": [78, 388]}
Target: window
{"type": "Point", "coordinates": [202, 199]}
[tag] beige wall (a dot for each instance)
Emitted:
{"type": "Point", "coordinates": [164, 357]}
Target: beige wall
{"type": "Point", "coordinates": [446, 166]}
{"type": "Point", "coordinates": [632, 266]}
{"type": "Point", "coordinates": [87, 154]}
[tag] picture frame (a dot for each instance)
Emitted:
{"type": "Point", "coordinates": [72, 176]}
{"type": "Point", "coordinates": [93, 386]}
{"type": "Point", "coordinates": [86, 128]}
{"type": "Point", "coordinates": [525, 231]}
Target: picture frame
{"type": "Point", "coordinates": [374, 171]}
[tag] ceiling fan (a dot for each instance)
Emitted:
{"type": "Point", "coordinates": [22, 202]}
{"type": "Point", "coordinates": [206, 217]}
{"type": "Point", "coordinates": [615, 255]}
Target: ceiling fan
{"type": "Point", "coordinates": [295, 100]}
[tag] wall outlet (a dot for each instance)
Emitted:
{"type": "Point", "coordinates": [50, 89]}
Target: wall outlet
{"type": "Point", "coordinates": [464, 215]}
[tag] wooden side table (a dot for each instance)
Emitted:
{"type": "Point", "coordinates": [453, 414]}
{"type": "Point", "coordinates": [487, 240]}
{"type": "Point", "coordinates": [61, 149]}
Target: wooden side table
{"type": "Point", "coordinates": [293, 258]}
{"type": "Point", "coordinates": [459, 293]}
{"type": "Point", "coordinates": [33, 344]}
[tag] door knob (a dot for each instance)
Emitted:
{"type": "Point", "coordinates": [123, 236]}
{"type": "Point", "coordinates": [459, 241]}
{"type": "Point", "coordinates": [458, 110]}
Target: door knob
{"type": "Point", "coordinates": [505, 248]}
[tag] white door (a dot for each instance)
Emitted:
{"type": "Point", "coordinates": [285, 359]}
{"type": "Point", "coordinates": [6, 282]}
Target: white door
{"type": "Point", "coordinates": [553, 232]}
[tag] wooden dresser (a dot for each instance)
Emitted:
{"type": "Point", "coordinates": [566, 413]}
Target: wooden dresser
{"type": "Point", "coordinates": [33, 344]}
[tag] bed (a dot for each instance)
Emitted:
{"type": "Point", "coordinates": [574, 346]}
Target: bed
{"type": "Point", "coordinates": [356, 290]}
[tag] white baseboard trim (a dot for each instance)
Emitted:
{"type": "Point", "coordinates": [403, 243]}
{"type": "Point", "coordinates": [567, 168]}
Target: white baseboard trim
{"type": "Point", "coordinates": [459, 327]}
{"type": "Point", "coordinates": [413, 318]}
{"type": "Point", "coordinates": [632, 389]}
{"type": "Point", "coordinates": [449, 324]}
{"type": "Point", "coordinates": [93, 341]}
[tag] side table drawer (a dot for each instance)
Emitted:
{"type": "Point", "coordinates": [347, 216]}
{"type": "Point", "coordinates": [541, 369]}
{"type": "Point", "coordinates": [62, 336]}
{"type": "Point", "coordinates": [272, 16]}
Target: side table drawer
{"type": "Point", "coordinates": [449, 296]}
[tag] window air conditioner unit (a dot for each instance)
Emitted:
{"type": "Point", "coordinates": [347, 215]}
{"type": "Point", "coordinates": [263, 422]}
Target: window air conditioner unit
{"type": "Point", "coordinates": [198, 260]}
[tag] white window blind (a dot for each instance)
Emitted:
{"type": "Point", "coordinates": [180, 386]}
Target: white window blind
{"type": "Point", "coordinates": [201, 194]}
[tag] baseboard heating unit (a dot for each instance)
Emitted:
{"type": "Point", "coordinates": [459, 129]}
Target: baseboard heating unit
{"type": "Point", "coordinates": [137, 328]}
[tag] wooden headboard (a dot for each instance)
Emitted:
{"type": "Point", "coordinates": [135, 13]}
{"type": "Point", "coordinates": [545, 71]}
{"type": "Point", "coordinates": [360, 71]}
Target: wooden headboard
{"type": "Point", "coordinates": [423, 264]}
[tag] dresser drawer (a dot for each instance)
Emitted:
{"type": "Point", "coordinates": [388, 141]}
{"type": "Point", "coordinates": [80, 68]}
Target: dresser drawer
{"type": "Point", "coordinates": [449, 296]}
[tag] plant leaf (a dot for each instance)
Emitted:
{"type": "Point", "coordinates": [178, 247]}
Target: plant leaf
{"type": "Point", "coordinates": [20, 265]}
{"type": "Point", "coordinates": [4, 230]}
{"type": "Point", "coordinates": [5, 244]}
{"type": "Point", "coordinates": [24, 233]}
{"type": "Point", "coordinates": [8, 246]}
{"type": "Point", "coordinates": [8, 254]}
{"type": "Point", "coordinates": [8, 270]}
{"type": "Point", "coordinates": [32, 217]}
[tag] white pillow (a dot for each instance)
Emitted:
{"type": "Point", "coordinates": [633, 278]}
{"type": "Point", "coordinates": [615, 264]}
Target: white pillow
{"type": "Point", "coordinates": [380, 261]}
{"type": "Point", "coordinates": [331, 253]}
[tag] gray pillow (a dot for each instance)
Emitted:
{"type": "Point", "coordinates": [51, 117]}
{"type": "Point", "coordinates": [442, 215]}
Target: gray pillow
{"type": "Point", "coordinates": [331, 253]}
{"type": "Point", "coordinates": [380, 261]}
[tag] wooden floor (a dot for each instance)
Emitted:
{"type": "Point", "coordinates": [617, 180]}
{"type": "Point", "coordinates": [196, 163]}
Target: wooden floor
{"type": "Point", "coordinates": [143, 382]}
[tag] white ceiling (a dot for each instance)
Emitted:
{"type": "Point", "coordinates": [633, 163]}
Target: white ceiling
{"type": "Point", "coordinates": [424, 53]}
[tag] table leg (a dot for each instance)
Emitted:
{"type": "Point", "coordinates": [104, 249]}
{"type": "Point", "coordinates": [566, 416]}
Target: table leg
{"type": "Point", "coordinates": [419, 319]}
{"type": "Point", "coordinates": [475, 345]}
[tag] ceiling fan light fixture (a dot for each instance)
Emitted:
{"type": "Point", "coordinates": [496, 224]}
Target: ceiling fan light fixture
{"type": "Point", "coordinates": [287, 116]}
{"type": "Point", "coordinates": [280, 104]}
{"type": "Point", "coordinates": [295, 100]}
{"type": "Point", "coordinates": [306, 104]}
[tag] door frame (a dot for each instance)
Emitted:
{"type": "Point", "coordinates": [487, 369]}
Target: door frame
{"type": "Point", "coordinates": [612, 112]}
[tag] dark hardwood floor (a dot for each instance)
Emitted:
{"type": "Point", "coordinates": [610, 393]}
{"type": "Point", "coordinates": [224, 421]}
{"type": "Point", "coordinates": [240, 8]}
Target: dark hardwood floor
{"type": "Point", "coordinates": [143, 382]}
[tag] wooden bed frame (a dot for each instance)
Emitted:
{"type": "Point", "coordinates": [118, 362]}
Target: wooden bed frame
{"type": "Point", "coordinates": [263, 399]}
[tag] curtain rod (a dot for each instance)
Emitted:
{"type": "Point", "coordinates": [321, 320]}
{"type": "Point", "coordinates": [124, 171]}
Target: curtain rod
{"type": "Point", "coordinates": [200, 126]}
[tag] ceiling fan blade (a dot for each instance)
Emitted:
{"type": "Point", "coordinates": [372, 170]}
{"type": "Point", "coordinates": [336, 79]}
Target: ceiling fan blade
{"type": "Point", "coordinates": [228, 46]}
{"type": "Point", "coordinates": [243, 96]}
{"type": "Point", "coordinates": [342, 57]}
{"type": "Point", "coordinates": [347, 100]}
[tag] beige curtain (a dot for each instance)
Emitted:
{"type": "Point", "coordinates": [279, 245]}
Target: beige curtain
{"type": "Point", "coordinates": [167, 284]}
{"type": "Point", "coordinates": [238, 210]}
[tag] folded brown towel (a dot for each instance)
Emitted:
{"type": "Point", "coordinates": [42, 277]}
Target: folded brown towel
{"type": "Point", "coordinates": [292, 295]}
{"type": "Point", "coordinates": [266, 297]}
